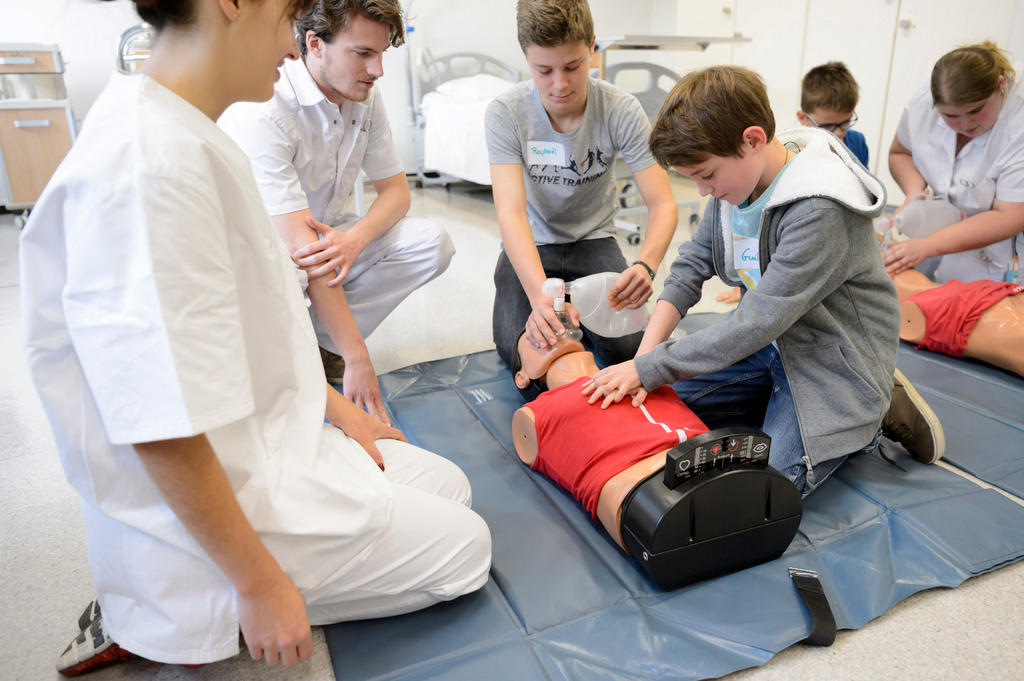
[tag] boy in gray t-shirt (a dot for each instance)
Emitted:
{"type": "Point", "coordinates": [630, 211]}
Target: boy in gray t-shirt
{"type": "Point", "coordinates": [551, 143]}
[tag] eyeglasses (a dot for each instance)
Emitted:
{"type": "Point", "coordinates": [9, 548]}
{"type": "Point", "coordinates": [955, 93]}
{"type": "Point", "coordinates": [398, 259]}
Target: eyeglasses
{"type": "Point", "coordinates": [833, 127]}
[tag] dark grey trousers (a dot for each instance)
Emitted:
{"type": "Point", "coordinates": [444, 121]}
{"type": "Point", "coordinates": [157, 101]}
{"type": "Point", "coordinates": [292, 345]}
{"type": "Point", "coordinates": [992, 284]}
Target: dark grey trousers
{"type": "Point", "coordinates": [564, 261]}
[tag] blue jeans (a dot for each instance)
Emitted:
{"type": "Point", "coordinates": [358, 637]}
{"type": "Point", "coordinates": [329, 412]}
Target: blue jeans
{"type": "Point", "coordinates": [755, 392]}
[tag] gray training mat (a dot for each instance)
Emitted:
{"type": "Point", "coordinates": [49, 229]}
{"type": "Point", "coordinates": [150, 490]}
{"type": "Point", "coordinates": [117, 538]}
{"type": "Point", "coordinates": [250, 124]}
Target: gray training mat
{"type": "Point", "coordinates": [564, 602]}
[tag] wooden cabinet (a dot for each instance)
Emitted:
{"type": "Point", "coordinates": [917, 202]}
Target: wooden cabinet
{"type": "Point", "coordinates": [14, 60]}
{"type": "Point", "coordinates": [35, 133]}
{"type": "Point", "coordinates": [34, 142]}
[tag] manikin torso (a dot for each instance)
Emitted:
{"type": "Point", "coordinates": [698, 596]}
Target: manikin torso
{"type": "Point", "coordinates": [557, 366]}
{"type": "Point", "coordinates": [997, 337]}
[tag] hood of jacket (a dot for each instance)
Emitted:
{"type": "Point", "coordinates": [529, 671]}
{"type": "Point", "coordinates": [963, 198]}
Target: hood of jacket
{"type": "Point", "coordinates": [825, 168]}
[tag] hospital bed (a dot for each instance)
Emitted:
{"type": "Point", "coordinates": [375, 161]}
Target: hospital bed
{"type": "Point", "coordinates": [450, 95]}
{"type": "Point", "coordinates": [650, 84]}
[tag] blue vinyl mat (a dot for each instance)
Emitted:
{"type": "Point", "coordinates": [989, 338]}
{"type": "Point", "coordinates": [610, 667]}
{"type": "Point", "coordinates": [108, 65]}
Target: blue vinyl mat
{"type": "Point", "coordinates": [982, 412]}
{"type": "Point", "coordinates": [564, 602]}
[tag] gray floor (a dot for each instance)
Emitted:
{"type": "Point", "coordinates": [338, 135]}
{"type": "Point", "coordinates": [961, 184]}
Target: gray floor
{"type": "Point", "coordinates": [973, 632]}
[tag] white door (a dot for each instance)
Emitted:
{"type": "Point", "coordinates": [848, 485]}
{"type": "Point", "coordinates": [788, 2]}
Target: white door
{"type": "Point", "coordinates": [927, 29]}
{"type": "Point", "coordinates": [861, 36]}
{"type": "Point", "coordinates": [701, 18]}
{"type": "Point", "coordinates": [777, 33]}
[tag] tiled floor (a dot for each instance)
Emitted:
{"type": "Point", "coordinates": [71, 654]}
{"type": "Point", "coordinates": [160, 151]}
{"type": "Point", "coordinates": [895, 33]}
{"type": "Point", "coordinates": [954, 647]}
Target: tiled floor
{"type": "Point", "coordinates": [973, 632]}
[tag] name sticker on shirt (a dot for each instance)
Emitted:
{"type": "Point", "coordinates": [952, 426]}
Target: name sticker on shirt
{"type": "Point", "coordinates": [745, 254]}
{"type": "Point", "coordinates": [545, 153]}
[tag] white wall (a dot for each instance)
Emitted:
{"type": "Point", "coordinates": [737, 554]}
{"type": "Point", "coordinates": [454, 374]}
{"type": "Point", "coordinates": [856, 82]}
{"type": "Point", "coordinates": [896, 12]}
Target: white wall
{"type": "Point", "coordinates": [487, 26]}
{"type": "Point", "coordinates": [1016, 44]}
{"type": "Point", "coordinates": [87, 32]}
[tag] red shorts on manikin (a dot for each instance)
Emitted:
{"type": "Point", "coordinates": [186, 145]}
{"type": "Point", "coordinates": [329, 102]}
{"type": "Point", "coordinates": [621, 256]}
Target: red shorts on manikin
{"type": "Point", "coordinates": [581, 446]}
{"type": "Point", "coordinates": [952, 310]}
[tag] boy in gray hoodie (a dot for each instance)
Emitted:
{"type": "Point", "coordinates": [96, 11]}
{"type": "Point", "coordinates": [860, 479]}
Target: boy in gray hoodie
{"type": "Point", "coordinates": [809, 354]}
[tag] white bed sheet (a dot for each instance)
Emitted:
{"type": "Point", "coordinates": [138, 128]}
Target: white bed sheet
{"type": "Point", "coordinates": [454, 140]}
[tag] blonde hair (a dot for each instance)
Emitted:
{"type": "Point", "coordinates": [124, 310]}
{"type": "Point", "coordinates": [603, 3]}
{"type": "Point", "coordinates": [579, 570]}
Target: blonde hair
{"type": "Point", "coordinates": [549, 23]}
{"type": "Point", "coordinates": [706, 114]}
{"type": "Point", "coordinates": [970, 74]}
{"type": "Point", "coordinates": [829, 86]}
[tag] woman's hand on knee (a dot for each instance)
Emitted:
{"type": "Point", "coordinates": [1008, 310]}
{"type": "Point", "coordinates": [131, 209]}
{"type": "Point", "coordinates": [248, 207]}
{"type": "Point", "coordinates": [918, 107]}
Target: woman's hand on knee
{"type": "Point", "coordinates": [273, 621]}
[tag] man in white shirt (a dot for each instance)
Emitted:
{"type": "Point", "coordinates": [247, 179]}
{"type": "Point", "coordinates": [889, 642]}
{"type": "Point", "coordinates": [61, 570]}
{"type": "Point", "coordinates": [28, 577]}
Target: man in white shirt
{"type": "Point", "coordinates": [307, 145]}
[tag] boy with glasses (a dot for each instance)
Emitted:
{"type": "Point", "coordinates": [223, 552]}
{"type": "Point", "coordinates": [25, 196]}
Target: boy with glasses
{"type": "Point", "coordinates": [828, 97]}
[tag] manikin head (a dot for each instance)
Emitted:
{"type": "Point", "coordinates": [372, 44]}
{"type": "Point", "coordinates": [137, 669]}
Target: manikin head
{"type": "Point", "coordinates": [555, 365]}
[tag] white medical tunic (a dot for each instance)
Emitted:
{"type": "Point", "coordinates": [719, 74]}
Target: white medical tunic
{"type": "Point", "coordinates": [989, 167]}
{"type": "Point", "coordinates": [306, 151]}
{"type": "Point", "coordinates": [158, 303]}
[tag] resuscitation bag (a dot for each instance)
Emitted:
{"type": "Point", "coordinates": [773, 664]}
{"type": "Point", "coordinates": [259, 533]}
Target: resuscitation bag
{"type": "Point", "coordinates": [922, 217]}
{"type": "Point", "coordinates": [589, 295]}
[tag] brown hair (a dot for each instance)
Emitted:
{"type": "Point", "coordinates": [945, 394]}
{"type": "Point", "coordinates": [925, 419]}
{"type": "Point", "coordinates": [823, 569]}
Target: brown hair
{"type": "Point", "coordinates": [549, 23]}
{"type": "Point", "coordinates": [706, 114]}
{"type": "Point", "coordinates": [162, 13]}
{"type": "Point", "coordinates": [829, 86]}
{"type": "Point", "coordinates": [969, 74]}
{"type": "Point", "coordinates": [328, 18]}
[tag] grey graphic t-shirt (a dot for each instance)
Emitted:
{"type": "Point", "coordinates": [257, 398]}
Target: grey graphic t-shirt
{"type": "Point", "coordinates": [570, 187]}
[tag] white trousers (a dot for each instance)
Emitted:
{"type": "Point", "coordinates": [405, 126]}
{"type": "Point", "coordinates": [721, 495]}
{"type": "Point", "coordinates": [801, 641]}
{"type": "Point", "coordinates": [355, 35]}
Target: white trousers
{"type": "Point", "coordinates": [433, 549]}
{"type": "Point", "coordinates": [392, 266]}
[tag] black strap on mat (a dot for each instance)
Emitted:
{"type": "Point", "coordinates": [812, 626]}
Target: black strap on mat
{"type": "Point", "coordinates": [823, 623]}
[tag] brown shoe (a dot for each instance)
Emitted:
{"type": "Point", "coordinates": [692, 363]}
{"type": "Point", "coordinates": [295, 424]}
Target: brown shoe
{"type": "Point", "coordinates": [912, 423]}
{"type": "Point", "coordinates": [334, 366]}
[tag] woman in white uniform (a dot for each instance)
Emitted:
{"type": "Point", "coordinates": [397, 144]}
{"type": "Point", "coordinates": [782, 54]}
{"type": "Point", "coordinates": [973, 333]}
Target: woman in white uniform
{"type": "Point", "coordinates": [962, 137]}
{"type": "Point", "coordinates": [167, 337]}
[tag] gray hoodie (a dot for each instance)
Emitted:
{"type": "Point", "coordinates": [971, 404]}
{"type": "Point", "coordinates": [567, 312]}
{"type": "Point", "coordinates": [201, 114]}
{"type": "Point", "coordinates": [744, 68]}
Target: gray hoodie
{"type": "Point", "coordinates": [824, 297]}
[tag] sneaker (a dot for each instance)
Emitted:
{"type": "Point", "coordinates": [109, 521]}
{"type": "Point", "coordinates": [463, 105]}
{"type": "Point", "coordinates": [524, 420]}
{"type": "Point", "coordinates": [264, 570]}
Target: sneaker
{"type": "Point", "coordinates": [912, 423]}
{"type": "Point", "coordinates": [334, 366]}
{"type": "Point", "coordinates": [92, 649]}
{"type": "Point", "coordinates": [91, 612]}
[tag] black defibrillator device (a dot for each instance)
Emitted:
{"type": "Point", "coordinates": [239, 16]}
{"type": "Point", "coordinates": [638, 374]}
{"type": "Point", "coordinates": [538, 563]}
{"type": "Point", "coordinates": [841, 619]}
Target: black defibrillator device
{"type": "Point", "coordinates": [716, 507]}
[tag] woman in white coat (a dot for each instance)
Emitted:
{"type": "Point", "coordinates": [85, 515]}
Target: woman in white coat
{"type": "Point", "coordinates": [963, 138]}
{"type": "Point", "coordinates": [167, 337]}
